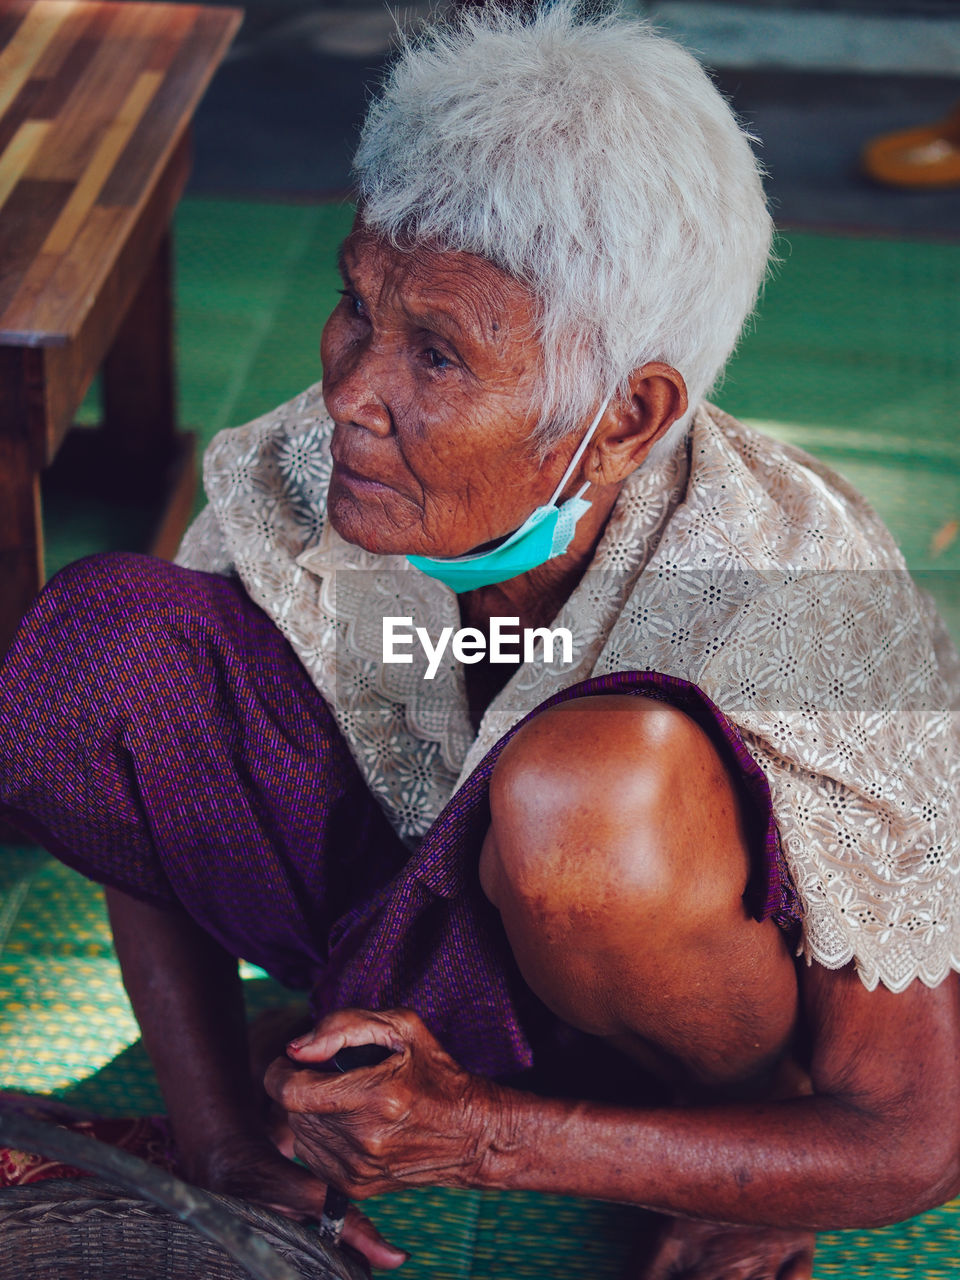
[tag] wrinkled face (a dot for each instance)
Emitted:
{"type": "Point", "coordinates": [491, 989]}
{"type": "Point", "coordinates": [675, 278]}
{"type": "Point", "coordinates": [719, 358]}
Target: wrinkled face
{"type": "Point", "coordinates": [430, 373]}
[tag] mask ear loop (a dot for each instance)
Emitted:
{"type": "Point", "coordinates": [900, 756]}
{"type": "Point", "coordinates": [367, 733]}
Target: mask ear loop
{"type": "Point", "coordinates": [571, 467]}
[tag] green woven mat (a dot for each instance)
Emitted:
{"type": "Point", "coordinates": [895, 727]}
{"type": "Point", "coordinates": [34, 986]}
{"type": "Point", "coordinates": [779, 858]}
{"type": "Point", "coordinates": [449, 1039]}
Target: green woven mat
{"type": "Point", "coordinates": [66, 1028]}
{"type": "Point", "coordinates": [854, 357]}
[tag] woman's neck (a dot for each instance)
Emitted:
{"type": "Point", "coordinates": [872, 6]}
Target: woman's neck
{"type": "Point", "coordinates": [534, 598]}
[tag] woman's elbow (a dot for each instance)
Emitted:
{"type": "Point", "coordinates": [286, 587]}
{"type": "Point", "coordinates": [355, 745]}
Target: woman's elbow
{"type": "Point", "coordinates": [914, 1173]}
{"type": "Point", "coordinates": [936, 1179]}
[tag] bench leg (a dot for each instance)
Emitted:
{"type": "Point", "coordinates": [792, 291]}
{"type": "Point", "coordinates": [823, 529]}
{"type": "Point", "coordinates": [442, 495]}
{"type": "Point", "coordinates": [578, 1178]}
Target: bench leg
{"type": "Point", "coordinates": [139, 402]}
{"type": "Point", "coordinates": [21, 532]}
{"type": "Point", "coordinates": [139, 440]}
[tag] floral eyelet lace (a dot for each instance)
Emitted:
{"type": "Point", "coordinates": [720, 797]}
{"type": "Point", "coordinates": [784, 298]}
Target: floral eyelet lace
{"type": "Point", "coordinates": [735, 562]}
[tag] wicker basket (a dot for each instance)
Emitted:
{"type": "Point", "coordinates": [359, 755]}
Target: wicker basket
{"type": "Point", "coordinates": [139, 1222]}
{"type": "Point", "coordinates": [84, 1229]}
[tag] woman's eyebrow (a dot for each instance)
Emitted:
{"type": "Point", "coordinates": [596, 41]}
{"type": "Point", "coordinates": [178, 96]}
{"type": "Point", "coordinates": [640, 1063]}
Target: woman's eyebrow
{"type": "Point", "coordinates": [438, 320]}
{"type": "Point", "coordinates": [424, 313]}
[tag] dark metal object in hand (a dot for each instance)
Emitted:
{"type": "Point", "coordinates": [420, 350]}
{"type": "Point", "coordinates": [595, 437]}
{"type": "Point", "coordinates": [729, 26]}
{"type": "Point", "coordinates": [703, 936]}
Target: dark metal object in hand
{"type": "Point", "coordinates": [352, 1056]}
{"type": "Point", "coordinates": [337, 1202]}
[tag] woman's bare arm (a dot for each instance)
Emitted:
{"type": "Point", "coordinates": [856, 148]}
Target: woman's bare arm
{"type": "Point", "coordinates": [877, 1141]}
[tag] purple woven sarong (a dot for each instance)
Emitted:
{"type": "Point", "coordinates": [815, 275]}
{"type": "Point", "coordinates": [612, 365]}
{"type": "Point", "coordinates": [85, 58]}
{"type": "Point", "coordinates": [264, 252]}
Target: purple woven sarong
{"type": "Point", "coordinates": [158, 734]}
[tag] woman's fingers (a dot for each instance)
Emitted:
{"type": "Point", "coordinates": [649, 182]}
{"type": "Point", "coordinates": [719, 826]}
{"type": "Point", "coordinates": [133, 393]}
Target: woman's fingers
{"type": "Point", "coordinates": [360, 1233]}
{"type": "Point", "coordinates": [298, 1090]}
{"type": "Point", "coordinates": [257, 1172]}
{"type": "Point", "coordinates": [413, 1119]}
{"type": "Point", "coordinates": [296, 1193]}
{"type": "Point", "coordinates": [392, 1029]}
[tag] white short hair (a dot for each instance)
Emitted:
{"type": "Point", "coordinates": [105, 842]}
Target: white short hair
{"type": "Point", "coordinates": [594, 161]}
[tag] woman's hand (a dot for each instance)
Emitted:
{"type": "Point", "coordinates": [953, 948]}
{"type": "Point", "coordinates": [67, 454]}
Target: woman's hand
{"type": "Point", "coordinates": [253, 1169]}
{"type": "Point", "coordinates": [415, 1119]}
{"type": "Point", "coordinates": [688, 1250]}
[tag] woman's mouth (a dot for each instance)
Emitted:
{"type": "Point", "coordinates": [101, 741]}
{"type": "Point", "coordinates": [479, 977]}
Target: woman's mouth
{"type": "Point", "coordinates": [356, 480]}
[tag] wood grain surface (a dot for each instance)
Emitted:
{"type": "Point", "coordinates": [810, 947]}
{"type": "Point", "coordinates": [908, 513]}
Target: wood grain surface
{"type": "Point", "coordinates": [95, 108]}
{"type": "Point", "coordinates": [94, 100]}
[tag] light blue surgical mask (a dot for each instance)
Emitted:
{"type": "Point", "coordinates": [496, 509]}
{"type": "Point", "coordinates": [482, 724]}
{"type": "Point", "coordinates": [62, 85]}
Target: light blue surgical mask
{"type": "Point", "coordinates": [546, 533]}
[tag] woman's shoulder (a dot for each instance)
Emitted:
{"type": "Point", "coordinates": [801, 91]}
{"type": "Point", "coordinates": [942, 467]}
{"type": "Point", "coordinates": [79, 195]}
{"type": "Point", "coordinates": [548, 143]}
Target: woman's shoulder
{"type": "Point", "coordinates": [782, 507]}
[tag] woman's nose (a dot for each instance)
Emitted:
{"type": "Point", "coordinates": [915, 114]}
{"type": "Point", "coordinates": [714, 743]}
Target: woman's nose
{"type": "Point", "coordinates": [355, 386]}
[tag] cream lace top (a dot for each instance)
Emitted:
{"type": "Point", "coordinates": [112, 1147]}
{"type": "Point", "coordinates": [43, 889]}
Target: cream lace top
{"type": "Point", "coordinates": [737, 563]}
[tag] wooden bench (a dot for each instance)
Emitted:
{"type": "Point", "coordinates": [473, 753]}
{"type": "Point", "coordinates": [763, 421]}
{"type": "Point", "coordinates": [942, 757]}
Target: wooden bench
{"type": "Point", "coordinates": [95, 108]}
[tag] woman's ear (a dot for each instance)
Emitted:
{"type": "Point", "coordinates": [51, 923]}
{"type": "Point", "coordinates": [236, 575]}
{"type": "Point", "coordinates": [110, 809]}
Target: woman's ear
{"type": "Point", "coordinates": [634, 423]}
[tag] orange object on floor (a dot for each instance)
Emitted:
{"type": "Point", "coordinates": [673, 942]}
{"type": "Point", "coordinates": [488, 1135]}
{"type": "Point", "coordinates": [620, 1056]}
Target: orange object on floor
{"type": "Point", "coordinates": [924, 158]}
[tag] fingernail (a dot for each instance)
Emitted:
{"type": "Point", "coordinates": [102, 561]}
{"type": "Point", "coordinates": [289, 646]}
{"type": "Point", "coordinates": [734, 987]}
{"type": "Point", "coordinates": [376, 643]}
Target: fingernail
{"type": "Point", "coordinates": [298, 1043]}
{"type": "Point", "coordinates": [397, 1252]}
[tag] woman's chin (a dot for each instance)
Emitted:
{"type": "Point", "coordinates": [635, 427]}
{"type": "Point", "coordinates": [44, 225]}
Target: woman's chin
{"type": "Point", "coordinates": [355, 526]}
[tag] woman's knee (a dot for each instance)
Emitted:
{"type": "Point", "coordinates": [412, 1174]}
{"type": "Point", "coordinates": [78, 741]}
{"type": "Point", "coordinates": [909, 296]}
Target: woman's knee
{"type": "Point", "coordinates": [111, 640]}
{"type": "Point", "coordinates": [617, 861]}
{"type": "Point", "coordinates": [104, 577]}
{"type": "Point", "coordinates": [87, 603]}
{"type": "Point", "coordinates": [616, 794]}
{"type": "Point", "coordinates": [120, 616]}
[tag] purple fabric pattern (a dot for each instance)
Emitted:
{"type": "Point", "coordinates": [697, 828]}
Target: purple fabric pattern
{"type": "Point", "coordinates": [158, 734]}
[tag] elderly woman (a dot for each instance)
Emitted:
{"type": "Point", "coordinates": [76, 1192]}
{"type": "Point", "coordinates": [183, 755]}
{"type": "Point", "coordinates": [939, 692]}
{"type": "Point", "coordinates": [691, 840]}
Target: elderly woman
{"type": "Point", "coordinates": [663, 918]}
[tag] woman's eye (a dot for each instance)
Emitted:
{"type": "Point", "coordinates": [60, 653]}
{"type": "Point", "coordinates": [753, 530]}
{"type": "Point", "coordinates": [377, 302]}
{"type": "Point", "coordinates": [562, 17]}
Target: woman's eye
{"type": "Point", "coordinates": [353, 302]}
{"type": "Point", "coordinates": [436, 359]}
